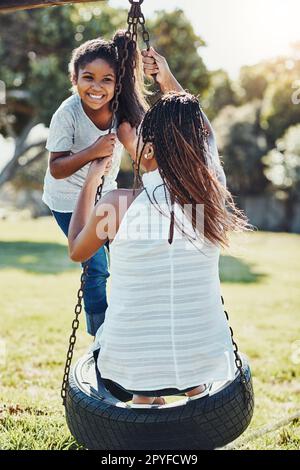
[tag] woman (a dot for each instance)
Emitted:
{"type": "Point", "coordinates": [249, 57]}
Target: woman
{"type": "Point", "coordinates": [165, 331]}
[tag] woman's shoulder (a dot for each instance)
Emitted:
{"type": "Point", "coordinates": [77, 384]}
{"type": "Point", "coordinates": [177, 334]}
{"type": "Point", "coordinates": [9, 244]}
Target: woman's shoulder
{"type": "Point", "coordinates": [116, 203]}
{"type": "Point", "coordinates": [116, 197]}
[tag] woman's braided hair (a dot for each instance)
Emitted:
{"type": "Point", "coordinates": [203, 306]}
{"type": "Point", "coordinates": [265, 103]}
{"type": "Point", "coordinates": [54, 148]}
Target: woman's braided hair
{"type": "Point", "coordinates": [176, 128]}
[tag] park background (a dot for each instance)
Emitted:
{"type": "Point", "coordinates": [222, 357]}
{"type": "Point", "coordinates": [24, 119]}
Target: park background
{"type": "Point", "coordinates": [243, 61]}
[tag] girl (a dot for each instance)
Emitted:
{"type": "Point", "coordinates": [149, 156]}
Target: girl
{"type": "Point", "coordinates": [165, 330]}
{"type": "Point", "coordinates": [78, 136]}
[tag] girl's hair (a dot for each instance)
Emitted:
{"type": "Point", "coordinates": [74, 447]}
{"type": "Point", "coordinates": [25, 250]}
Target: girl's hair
{"type": "Point", "coordinates": [175, 126]}
{"type": "Point", "coordinates": [132, 103]}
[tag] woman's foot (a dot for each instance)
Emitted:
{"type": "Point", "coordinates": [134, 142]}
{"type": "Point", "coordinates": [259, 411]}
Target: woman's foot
{"type": "Point", "coordinates": [141, 400]}
{"type": "Point", "coordinates": [196, 391]}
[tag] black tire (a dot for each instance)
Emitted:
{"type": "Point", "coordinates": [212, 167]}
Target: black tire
{"type": "Point", "coordinates": [105, 423]}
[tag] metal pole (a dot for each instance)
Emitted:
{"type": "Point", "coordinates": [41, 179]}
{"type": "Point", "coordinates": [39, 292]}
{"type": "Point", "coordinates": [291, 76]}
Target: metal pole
{"type": "Point", "coordinates": [8, 6]}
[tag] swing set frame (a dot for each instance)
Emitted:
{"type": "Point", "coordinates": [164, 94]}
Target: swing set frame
{"type": "Point", "coordinates": [9, 6]}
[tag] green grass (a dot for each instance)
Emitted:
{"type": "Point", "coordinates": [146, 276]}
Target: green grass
{"type": "Point", "coordinates": [38, 285]}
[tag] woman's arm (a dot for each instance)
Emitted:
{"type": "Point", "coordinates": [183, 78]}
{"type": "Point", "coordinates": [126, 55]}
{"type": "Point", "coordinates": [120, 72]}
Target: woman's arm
{"type": "Point", "coordinates": [156, 64]}
{"type": "Point", "coordinates": [153, 63]}
{"type": "Point", "coordinates": [89, 226]}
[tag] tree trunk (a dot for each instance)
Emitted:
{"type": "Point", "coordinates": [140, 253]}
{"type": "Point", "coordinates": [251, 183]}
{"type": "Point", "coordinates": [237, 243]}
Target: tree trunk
{"type": "Point", "coordinates": [20, 148]}
{"type": "Point", "coordinates": [289, 211]}
{"type": "Point", "coordinates": [7, 6]}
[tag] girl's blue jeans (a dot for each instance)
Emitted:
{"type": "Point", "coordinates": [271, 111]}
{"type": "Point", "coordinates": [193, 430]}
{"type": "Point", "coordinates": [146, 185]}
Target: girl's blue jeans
{"type": "Point", "coordinates": [94, 292]}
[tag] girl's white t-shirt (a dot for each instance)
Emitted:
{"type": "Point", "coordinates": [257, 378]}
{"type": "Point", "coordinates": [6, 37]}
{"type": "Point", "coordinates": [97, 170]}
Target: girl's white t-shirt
{"type": "Point", "coordinates": [72, 130]}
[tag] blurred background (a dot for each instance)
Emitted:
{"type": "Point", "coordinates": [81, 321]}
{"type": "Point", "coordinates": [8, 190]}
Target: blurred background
{"type": "Point", "coordinates": [241, 58]}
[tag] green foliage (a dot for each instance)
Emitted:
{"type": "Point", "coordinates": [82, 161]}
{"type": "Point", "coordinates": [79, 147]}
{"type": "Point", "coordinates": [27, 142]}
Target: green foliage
{"type": "Point", "coordinates": [279, 112]}
{"type": "Point", "coordinates": [35, 49]}
{"type": "Point", "coordinates": [253, 82]}
{"type": "Point", "coordinates": [273, 82]}
{"type": "Point", "coordinates": [173, 36]}
{"type": "Point", "coordinates": [31, 175]}
{"type": "Point", "coordinates": [242, 144]}
{"type": "Point", "coordinates": [283, 163]}
{"type": "Point", "coordinates": [221, 93]}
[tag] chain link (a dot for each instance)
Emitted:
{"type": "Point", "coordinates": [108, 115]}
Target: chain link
{"type": "Point", "coordinates": [133, 19]}
{"type": "Point", "coordinates": [238, 362]}
{"type": "Point", "coordinates": [130, 35]}
{"type": "Point", "coordinates": [72, 340]}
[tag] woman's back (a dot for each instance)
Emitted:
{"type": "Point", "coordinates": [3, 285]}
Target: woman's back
{"type": "Point", "coordinates": [165, 326]}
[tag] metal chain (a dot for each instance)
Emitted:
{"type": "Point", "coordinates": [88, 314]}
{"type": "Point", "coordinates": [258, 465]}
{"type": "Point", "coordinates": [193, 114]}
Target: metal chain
{"type": "Point", "coordinates": [238, 361]}
{"type": "Point", "coordinates": [145, 33]}
{"type": "Point", "coordinates": [133, 19]}
{"type": "Point", "coordinates": [72, 340]}
{"type": "Point", "coordinates": [131, 34]}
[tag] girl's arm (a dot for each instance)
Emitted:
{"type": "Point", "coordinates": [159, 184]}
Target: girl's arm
{"type": "Point", "coordinates": [64, 164]}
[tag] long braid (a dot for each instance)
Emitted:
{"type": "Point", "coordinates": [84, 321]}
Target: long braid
{"type": "Point", "coordinates": [175, 126]}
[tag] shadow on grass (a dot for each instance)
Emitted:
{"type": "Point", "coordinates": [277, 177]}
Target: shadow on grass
{"type": "Point", "coordinates": [35, 257]}
{"type": "Point", "coordinates": [235, 270]}
{"type": "Point", "coordinates": [52, 258]}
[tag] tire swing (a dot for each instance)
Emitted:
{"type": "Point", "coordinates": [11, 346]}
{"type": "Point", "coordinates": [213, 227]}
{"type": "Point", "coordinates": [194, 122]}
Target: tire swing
{"type": "Point", "coordinates": [98, 414]}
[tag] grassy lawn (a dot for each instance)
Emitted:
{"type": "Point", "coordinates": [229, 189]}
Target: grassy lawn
{"type": "Point", "coordinates": [38, 289]}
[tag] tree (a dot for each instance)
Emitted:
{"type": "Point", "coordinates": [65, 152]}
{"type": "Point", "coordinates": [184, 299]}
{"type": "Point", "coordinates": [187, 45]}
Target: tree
{"type": "Point", "coordinates": [35, 49]}
{"type": "Point", "coordinates": [242, 144]}
{"type": "Point", "coordinates": [221, 93]}
{"type": "Point", "coordinates": [14, 5]}
{"type": "Point", "coordinates": [279, 112]}
{"type": "Point", "coordinates": [283, 168]}
{"type": "Point", "coordinates": [253, 82]}
{"type": "Point", "coordinates": [279, 109]}
{"type": "Point", "coordinates": [174, 37]}
{"type": "Point", "coordinates": [273, 82]}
